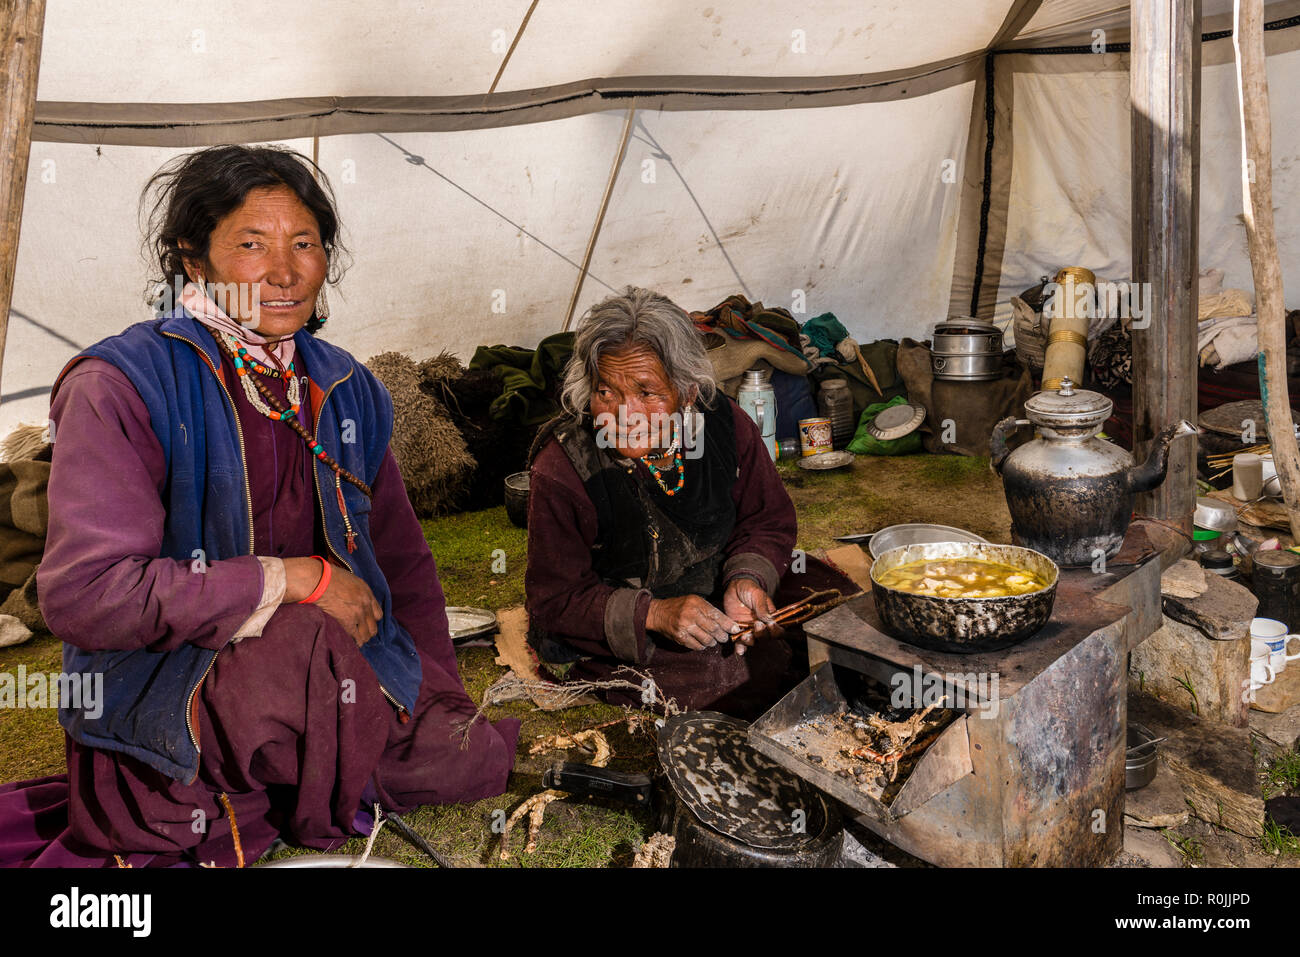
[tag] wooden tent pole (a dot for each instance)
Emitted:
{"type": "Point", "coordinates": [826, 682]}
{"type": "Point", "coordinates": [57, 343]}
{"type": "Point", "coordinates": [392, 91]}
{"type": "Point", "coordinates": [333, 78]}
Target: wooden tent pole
{"type": "Point", "coordinates": [600, 215]}
{"type": "Point", "coordinates": [1165, 88]}
{"type": "Point", "coordinates": [1261, 238]}
{"type": "Point", "coordinates": [21, 22]}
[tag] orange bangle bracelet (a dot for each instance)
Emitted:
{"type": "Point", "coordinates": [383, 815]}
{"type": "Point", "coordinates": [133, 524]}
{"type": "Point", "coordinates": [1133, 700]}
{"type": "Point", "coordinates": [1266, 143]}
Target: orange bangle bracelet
{"type": "Point", "coordinates": [321, 585]}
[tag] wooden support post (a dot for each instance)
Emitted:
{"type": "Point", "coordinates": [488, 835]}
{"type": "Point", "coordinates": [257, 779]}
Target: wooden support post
{"type": "Point", "coordinates": [1261, 238]}
{"type": "Point", "coordinates": [20, 60]}
{"type": "Point", "coordinates": [600, 214]}
{"type": "Point", "coordinates": [1165, 85]}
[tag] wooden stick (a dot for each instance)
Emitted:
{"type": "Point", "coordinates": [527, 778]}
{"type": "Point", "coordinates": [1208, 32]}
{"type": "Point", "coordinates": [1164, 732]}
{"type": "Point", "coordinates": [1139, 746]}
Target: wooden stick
{"type": "Point", "coordinates": [1261, 237]}
{"type": "Point", "coordinates": [21, 22]}
{"type": "Point", "coordinates": [600, 214]}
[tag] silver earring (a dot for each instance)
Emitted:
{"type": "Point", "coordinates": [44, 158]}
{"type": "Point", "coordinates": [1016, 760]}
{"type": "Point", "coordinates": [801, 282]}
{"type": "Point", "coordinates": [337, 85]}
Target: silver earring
{"type": "Point", "coordinates": [322, 310]}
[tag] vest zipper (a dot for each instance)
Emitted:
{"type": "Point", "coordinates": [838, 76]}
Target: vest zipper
{"type": "Point", "coordinates": [248, 500]}
{"type": "Point", "coordinates": [325, 531]}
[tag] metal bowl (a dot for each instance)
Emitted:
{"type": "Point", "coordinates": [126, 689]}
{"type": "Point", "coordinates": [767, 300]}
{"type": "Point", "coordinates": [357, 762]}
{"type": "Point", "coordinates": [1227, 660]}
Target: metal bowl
{"type": "Point", "coordinates": [332, 860]}
{"type": "Point", "coordinates": [964, 625]}
{"type": "Point", "coordinates": [1140, 759]}
{"type": "Point", "coordinates": [1214, 515]}
{"type": "Point", "coordinates": [917, 533]}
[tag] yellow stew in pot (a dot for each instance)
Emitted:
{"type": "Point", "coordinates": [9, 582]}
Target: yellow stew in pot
{"type": "Point", "coordinates": [961, 578]}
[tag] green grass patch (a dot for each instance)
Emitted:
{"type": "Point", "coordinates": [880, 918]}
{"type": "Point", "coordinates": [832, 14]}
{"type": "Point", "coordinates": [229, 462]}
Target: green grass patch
{"type": "Point", "coordinates": [31, 739]}
{"type": "Point", "coordinates": [1189, 847]}
{"type": "Point", "coordinates": [1279, 840]}
{"type": "Point", "coordinates": [1282, 775]}
{"type": "Point", "coordinates": [471, 550]}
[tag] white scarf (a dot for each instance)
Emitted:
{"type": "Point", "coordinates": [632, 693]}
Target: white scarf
{"type": "Point", "coordinates": [272, 353]}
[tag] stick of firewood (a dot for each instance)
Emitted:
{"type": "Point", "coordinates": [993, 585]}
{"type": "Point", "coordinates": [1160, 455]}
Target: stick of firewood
{"type": "Point", "coordinates": [1257, 196]}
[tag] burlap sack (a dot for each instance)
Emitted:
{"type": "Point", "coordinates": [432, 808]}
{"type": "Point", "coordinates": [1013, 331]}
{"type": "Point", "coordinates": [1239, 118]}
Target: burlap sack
{"type": "Point", "coordinates": [24, 520]}
{"type": "Point", "coordinates": [963, 412]}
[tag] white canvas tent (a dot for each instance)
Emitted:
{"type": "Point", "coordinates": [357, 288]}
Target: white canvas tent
{"type": "Point", "coordinates": [820, 156]}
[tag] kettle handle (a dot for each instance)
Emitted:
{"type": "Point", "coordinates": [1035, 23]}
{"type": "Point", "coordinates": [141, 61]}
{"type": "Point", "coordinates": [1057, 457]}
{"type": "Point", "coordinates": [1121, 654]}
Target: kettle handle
{"type": "Point", "coordinates": [998, 451]}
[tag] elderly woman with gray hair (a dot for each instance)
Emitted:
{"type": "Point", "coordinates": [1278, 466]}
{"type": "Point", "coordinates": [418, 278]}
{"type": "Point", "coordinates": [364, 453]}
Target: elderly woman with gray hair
{"type": "Point", "coordinates": [658, 528]}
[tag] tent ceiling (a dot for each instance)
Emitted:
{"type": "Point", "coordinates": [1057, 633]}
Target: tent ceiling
{"type": "Point", "coordinates": [234, 50]}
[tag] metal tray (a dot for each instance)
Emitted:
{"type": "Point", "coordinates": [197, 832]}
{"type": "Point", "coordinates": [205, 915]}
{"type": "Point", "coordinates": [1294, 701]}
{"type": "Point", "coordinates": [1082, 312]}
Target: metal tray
{"type": "Point", "coordinates": [790, 735]}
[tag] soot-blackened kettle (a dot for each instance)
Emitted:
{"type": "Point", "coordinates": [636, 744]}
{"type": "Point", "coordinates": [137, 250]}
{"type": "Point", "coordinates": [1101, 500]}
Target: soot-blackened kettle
{"type": "Point", "coordinates": [1070, 492]}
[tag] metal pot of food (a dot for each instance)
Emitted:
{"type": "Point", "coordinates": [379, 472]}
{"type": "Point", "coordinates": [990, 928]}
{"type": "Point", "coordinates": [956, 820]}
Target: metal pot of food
{"type": "Point", "coordinates": [1071, 493]}
{"type": "Point", "coordinates": [963, 597]}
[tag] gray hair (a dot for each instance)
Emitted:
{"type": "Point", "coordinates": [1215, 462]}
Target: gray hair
{"type": "Point", "coordinates": [638, 317]}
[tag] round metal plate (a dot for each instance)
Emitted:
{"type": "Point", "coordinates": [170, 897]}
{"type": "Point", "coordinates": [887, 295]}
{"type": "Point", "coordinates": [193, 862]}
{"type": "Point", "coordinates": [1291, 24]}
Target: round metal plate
{"type": "Point", "coordinates": [1228, 419]}
{"type": "Point", "coordinates": [470, 622]}
{"type": "Point", "coordinates": [896, 422]}
{"type": "Point", "coordinates": [826, 460]}
{"type": "Point", "coordinates": [734, 789]}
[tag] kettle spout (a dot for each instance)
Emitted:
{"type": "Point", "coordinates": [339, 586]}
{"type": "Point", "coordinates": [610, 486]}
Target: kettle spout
{"type": "Point", "coordinates": [1149, 474]}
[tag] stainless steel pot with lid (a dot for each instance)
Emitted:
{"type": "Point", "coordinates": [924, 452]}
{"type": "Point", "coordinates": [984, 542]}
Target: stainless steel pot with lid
{"type": "Point", "coordinates": [966, 349]}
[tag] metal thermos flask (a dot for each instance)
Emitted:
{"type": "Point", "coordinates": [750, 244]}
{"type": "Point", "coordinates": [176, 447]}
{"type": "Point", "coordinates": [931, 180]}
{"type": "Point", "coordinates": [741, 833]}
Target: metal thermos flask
{"type": "Point", "coordinates": [758, 399]}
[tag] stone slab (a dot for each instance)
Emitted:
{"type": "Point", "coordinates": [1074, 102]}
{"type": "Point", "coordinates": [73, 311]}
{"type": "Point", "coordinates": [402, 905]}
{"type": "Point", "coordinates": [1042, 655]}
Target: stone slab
{"type": "Point", "coordinates": [1283, 694]}
{"type": "Point", "coordinates": [1150, 848]}
{"type": "Point", "coordinates": [1159, 804]}
{"type": "Point", "coordinates": [1282, 729]}
{"type": "Point", "coordinates": [1223, 612]}
{"type": "Point", "coordinates": [1179, 655]}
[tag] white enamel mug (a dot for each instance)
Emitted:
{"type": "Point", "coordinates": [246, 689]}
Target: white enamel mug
{"type": "Point", "coordinates": [1261, 673]}
{"type": "Point", "coordinates": [1269, 637]}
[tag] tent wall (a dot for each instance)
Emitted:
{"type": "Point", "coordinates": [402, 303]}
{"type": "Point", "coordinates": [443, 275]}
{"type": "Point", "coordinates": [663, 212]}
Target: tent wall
{"type": "Point", "coordinates": [1070, 163]}
{"type": "Point", "coordinates": [471, 237]}
{"type": "Point", "coordinates": [831, 153]}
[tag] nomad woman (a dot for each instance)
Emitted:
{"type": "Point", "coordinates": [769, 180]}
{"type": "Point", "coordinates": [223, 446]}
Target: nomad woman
{"type": "Point", "coordinates": [659, 533]}
{"type": "Point", "coordinates": [232, 549]}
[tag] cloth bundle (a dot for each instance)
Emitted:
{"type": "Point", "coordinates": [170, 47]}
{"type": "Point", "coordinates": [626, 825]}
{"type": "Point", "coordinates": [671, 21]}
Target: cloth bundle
{"type": "Point", "coordinates": [530, 378]}
{"type": "Point", "coordinates": [738, 333]}
{"type": "Point", "coordinates": [1228, 331]}
{"type": "Point", "coordinates": [24, 523]}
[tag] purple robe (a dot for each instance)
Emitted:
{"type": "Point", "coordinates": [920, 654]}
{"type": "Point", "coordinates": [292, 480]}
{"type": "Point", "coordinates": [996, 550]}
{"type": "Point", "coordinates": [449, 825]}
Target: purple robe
{"type": "Point", "coordinates": [292, 725]}
{"type": "Point", "coordinates": [567, 597]}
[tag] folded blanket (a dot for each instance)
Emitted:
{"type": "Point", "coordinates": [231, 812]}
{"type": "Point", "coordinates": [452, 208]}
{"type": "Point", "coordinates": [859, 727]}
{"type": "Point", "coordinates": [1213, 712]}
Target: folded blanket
{"type": "Point", "coordinates": [530, 378]}
{"type": "Point", "coordinates": [1227, 340]}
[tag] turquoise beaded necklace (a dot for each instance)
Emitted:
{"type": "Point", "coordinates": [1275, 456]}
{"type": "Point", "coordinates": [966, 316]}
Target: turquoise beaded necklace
{"type": "Point", "coordinates": [678, 466]}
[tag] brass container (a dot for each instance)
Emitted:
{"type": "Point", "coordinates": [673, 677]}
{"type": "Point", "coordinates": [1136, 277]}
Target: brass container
{"type": "Point", "coordinates": [1067, 338]}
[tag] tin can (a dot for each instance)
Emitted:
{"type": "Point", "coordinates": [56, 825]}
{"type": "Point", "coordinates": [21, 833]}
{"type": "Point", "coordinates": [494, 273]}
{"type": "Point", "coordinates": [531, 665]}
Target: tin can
{"type": "Point", "coordinates": [815, 436]}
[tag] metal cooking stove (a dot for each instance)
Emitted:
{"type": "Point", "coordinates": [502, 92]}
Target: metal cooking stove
{"type": "Point", "coordinates": [1031, 771]}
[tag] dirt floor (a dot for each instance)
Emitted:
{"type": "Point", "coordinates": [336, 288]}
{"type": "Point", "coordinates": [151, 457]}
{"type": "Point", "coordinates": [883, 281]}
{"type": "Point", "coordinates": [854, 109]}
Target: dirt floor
{"type": "Point", "coordinates": [481, 559]}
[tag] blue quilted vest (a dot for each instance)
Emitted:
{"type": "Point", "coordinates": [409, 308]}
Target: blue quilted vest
{"type": "Point", "coordinates": [173, 363]}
